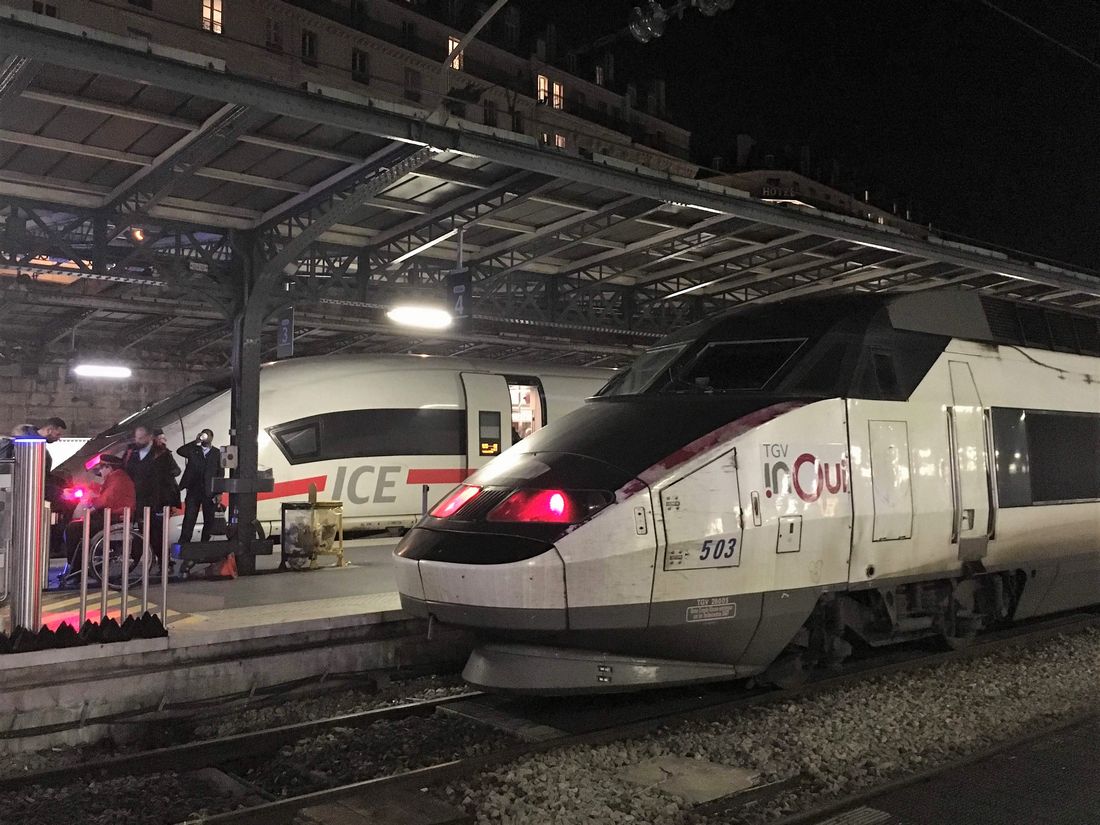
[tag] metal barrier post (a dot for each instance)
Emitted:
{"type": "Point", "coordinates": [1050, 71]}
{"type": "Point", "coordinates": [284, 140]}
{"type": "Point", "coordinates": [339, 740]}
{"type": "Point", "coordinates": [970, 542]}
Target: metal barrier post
{"type": "Point", "coordinates": [47, 517]}
{"type": "Point", "coordinates": [146, 549]}
{"type": "Point", "coordinates": [85, 553]}
{"type": "Point", "coordinates": [27, 539]}
{"type": "Point", "coordinates": [124, 601]}
{"type": "Point", "coordinates": [105, 568]}
{"type": "Point", "coordinates": [423, 500]}
{"type": "Point", "coordinates": [164, 567]}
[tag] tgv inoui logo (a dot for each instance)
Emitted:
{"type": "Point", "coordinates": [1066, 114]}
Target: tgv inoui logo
{"type": "Point", "coordinates": [808, 476]}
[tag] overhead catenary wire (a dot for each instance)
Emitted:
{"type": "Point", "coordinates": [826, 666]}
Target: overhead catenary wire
{"type": "Point", "coordinates": [1034, 30]}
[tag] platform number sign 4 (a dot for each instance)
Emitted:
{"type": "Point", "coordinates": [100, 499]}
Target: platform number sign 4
{"type": "Point", "coordinates": [458, 286]}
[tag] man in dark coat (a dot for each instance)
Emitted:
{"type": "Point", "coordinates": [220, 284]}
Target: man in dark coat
{"type": "Point", "coordinates": [152, 475]}
{"type": "Point", "coordinates": [204, 463]}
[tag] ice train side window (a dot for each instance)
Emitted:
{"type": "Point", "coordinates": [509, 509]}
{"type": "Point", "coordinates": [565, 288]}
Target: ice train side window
{"type": "Point", "coordinates": [374, 432]}
{"type": "Point", "coordinates": [528, 406]}
{"type": "Point", "coordinates": [726, 366]}
{"type": "Point", "coordinates": [299, 442]}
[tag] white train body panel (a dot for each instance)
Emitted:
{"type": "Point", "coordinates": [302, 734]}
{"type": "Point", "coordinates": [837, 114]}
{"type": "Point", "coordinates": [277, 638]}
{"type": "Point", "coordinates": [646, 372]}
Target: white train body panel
{"type": "Point", "coordinates": [383, 489]}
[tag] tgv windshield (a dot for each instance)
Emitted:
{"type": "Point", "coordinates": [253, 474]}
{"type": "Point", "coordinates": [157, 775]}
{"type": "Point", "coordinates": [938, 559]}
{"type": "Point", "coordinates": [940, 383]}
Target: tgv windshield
{"type": "Point", "coordinates": [643, 371]}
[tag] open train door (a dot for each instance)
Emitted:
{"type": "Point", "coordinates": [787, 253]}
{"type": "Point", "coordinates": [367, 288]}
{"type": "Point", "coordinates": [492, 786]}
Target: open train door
{"type": "Point", "coordinates": [972, 498]}
{"type": "Point", "coordinates": [488, 418]}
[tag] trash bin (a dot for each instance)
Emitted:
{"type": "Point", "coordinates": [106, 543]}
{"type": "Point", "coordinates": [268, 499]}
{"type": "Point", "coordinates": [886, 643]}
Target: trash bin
{"type": "Point", "coordinates": [311, 529]}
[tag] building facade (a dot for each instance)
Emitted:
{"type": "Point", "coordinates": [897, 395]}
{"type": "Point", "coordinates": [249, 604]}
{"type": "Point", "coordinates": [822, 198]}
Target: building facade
{"type": "Point", "coordinates": [508, 78]}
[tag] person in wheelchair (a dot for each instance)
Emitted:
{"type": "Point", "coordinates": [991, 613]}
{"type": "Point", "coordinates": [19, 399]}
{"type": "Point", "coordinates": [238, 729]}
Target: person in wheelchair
{"type": "Point", "coordinates": [116, 492]}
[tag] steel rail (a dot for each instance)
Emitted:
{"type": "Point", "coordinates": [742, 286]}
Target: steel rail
{"type": "Point", "coordinates": [284, 810]}
{"type": "Point", "coordinates": [211, 752]}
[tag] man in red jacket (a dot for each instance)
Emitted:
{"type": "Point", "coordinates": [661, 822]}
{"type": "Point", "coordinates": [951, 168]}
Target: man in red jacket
{"type": "Point", "coordinates": [116, 492]}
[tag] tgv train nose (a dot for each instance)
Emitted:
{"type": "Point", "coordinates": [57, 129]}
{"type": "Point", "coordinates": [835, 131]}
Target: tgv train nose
{"type": "Point", "coordinates": [487, 556]}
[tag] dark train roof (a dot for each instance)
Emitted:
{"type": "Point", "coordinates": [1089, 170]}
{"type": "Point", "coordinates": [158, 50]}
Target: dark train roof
{"type": "Point", "coordinates": [949, 313]}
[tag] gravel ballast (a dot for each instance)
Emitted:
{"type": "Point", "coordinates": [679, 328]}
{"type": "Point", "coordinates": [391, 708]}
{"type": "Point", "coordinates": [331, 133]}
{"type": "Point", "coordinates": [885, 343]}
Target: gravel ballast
{"type": "Point", "coordinates": [345, 755]}
{"type": "Point", "coordinates": [289, 711]}
{"type": "Point", "coordinates": [134, 800]}
{"type": "Point", "coordinates": [839, 741]}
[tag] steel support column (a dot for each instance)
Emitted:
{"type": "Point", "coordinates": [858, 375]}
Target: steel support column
{"type": "Point", "coordinates": [244, 415]}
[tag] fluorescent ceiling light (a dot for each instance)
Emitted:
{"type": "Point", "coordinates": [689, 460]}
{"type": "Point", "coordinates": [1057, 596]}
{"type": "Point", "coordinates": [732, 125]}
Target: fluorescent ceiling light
{"type": "Point", "coordinates": [400, 259]}
{"type": "Point", "coordinates": [878, 246]}
{"type": "Point", "coordinates": [101, 371]}
{"type": "Point", "coordinates": [420, 316]}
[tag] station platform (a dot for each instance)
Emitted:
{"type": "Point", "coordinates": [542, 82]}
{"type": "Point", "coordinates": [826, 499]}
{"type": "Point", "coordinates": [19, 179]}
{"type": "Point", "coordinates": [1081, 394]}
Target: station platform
{"type": "Point", "coordinates": [225, 638]}
{"type": "Point", "coordinates": [1053, 780]}
{"type": "Point", "coordinates": [364, 585]}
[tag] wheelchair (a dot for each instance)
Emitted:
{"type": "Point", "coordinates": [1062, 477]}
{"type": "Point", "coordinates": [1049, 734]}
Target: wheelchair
{"type": "Point", "coordinates": [114, 541]}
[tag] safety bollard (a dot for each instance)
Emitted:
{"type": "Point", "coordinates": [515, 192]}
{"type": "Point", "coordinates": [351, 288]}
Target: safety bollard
{"type": "Point", "coordinates": [47, 517]}
{"type": "Point", "coordinates": [146, 550]}
{"type": "Point", "coordinates": [106, 565]}
{"type": "Point", "coordinates": [423, 500]}
{"type": "Point", "coordinates": [124, 600]}
{"type": "Point", "coordinates": [85, 553]}
{"type": "Point", "coordinates": [164, 567]}
{"type": "Point", "coordinates": [28, 541]}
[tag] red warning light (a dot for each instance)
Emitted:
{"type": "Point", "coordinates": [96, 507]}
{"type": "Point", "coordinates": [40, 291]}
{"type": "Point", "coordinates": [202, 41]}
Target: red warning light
{"type": "Point", "coordinates": [454, 502]}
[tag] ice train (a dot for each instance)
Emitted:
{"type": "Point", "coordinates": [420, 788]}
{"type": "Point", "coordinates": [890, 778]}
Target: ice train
{"type": "Point", "coordinates": [765, 489]}
{"type": "Point", "coordinates": [371, 430]}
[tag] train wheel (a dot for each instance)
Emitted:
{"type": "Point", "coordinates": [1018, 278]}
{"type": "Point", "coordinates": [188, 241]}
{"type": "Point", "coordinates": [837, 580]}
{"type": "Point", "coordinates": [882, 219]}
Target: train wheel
{"type": "Point", "coordinates": [787, 672]}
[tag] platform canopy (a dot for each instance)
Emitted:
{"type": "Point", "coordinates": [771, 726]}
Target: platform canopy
{"type": "Point", "coordinates": [148, 194]}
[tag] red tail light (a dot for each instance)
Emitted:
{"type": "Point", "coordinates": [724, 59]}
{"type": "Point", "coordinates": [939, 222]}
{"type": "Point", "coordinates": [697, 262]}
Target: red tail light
{"type": "Point", "coordinates": [549, 506]}
{"type": "Point", "coordinates": [453, 502]}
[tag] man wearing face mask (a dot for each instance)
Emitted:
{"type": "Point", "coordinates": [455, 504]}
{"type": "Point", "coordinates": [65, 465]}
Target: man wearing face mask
{"type": "Point", "coordinates": [204, 463]}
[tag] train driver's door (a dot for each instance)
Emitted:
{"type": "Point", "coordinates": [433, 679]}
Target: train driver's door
{"type": "Point", "coordinates": [488, 418]}
{"type": "Point", "coordinates": [970, 479]}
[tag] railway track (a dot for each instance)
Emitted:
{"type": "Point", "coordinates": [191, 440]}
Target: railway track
{"type": "Point", "coordinates": [533, 726]}
{"type": "Point", "coordinates": [707, 705]}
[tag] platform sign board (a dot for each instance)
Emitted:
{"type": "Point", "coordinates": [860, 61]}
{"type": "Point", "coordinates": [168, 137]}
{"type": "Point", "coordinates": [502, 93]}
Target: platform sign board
{"type": "Point", "coordinates": [459, 293]}
{"type": "Point", "coordinates": [285, 340]}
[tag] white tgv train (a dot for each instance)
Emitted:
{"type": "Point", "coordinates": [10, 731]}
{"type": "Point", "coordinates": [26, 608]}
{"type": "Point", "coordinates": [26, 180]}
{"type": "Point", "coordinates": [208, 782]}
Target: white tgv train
{"type": "Point", "coordinates": [764, 488]}
{"type": "Point", "coordinates": [370, 430]}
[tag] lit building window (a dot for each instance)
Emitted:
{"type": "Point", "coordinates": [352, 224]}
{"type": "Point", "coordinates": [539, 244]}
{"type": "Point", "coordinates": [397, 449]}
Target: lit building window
{"type": "Point", "coordinates": [557, 100]}
{"type": "Point", "coordinates": [360, 65]}
{"type": "Point", "coordinates": [544, 138]}
{"type": "Point", "coordinates": [542, 88]}
{"type": "Point", "coordinates": [559, 141]}
{"type": "Point", "coordinates": [599, 76]}
{"type": "Point", "coordinates": [452, 44]}
{"type": "Point", "coordinates": [212, 16]}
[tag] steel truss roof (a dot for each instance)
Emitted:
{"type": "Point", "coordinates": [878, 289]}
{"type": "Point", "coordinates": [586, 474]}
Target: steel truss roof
{"type": "Point", "coordinates": [134, 188]}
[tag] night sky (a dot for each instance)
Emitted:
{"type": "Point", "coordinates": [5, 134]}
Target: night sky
{"type": "Point", "coordinates": [982, 127]}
